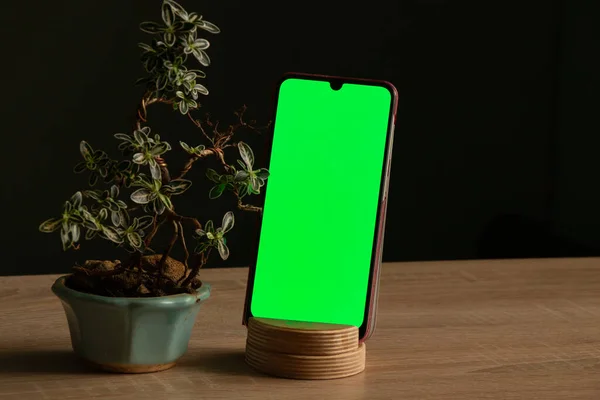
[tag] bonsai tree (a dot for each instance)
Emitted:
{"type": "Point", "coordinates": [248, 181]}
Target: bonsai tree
{"type": "Point", "coordinates": [130, 199]}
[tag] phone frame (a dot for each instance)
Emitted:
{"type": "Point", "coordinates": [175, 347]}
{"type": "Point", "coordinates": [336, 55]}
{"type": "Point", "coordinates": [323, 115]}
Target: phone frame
{"type": "Point", "coordinates": [368, 326]}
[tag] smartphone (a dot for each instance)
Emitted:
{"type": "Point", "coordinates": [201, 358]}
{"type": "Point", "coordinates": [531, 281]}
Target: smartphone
{"type": "Point", "coordinates": [321, 233]}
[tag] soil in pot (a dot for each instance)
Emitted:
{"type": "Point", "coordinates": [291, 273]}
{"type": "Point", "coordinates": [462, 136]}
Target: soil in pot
{"type": "Point", "coordinates": [113, 279]}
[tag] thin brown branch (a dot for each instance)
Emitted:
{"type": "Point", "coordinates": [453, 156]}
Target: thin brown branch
{"type": "Point", "coordinates": [248, 207]}
{"type": "Point", "coordinates": [245, 207]}
{"type": "Point", "coordinates": [221, 157]}
{"type": "Point", "coordinates": [142, 112]}
{"type": "Point", "coordinates": [193, 221]}
{"type": "Point", "coordinates": [199, 126]}
{"type": "Point", "coordinates": [190, 162]}
{"type": "Point", "coordinates": [155, 225]}
{"type": "Point", "coordinates": [250, 125]}
{"type": "Point", "coordinates": [185, 248]}
{"type": "Point", "coordinates": [164, 171]}
{"type": "Point", "coordinates": [201, 260]}
{"type": "Point", "coordinates": [173, 216]}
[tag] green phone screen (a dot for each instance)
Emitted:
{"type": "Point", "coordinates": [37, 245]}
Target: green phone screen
{"type": "Point", "coordinates": [320, 212]}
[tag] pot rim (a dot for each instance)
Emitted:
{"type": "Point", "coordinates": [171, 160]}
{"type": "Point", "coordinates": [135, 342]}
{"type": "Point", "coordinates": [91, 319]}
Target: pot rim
{"type": "Point", "coordinates": [60, 289]}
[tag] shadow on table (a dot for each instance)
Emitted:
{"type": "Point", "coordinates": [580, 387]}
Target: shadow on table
{"type": "Point", "coordinates": [230, 362]}
{"type": "Point", "coordinates": [41, 362]}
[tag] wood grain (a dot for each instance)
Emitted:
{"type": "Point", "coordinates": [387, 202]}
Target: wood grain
{"type": "Point", "coordinates": [301, 350]}
{"type": "Point", "coordinates": [301, 338]}
{"type": "Point", "coordinates": [340, 365]}
{"type": "Point", "coordinates": [524, 329]}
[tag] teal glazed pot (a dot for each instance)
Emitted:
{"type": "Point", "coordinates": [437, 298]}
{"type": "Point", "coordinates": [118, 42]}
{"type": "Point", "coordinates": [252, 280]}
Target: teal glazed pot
{"type": "Point", "coordinates": [129, 334]}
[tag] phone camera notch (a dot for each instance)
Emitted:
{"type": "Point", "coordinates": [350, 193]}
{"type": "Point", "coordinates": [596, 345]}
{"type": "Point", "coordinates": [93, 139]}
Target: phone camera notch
{"type": "Point", "coordinates": [336, 85]}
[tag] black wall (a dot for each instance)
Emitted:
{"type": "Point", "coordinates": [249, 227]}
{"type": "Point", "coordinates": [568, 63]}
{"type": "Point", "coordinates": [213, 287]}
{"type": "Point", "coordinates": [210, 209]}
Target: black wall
{"type": "Point", "coordinates": [496, 132]}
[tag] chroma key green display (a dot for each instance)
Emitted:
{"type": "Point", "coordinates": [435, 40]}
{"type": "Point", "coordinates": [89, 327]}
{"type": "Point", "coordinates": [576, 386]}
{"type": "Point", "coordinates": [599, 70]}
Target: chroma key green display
{"type": "Point", "coordinates": [319, 222]}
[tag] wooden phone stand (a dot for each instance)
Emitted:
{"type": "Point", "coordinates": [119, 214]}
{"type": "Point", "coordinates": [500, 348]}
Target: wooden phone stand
{"type": "Point", "coordinates": [300, 350]}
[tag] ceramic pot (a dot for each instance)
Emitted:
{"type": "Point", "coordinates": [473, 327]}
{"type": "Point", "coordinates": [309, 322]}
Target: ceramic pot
{"type": "Point", "coordinates": [128, 334]}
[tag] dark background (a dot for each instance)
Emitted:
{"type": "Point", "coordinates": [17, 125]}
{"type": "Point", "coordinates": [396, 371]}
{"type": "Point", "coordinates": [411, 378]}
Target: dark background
{"type": "Point", "coordinates": [496, 138]}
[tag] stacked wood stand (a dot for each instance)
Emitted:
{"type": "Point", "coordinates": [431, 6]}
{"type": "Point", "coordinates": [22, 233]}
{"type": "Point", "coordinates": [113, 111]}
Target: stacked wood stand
{"type": "Point", "coordinates": [299, 350]}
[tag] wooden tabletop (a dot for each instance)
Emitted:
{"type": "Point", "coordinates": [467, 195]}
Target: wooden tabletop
{"type": "Point", "coordinates": [525, 329]}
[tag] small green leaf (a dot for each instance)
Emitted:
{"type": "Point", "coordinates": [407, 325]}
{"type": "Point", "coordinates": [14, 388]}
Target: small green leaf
{"type": "Point", "coordinates": [165, 200]}
{"type": "Point", "coordinates": [124, 137]}
{"type": "Point", "coordinates": [161, 82]}
{"type": "Point", "coordinates": [80, 167]}
{"type": "Point", "coordinates": [199, 233]}
{"type": "Point", "coordinates": [140, 137]}
{"type": "Point", "coordinates": [186, 147]}
{"type": "Point", "coordinates": [90, 234]}
{"type": "Point", "coordinates": [223, 249]}
{"type": "Point", "coordinates": [263, 174]}
{"type": "Point", "coordinates": [246, 154]}
{"type": "Point", "coordinates": [167, 14]}
{"type": "Point", "coordinates": [91, 225]}
{"type": "Point", "coordinates": [150, 27]}
{"type": "Point", "coordinates": [76, 219]}
{"type": "Point", "coordinates": [178, 186]}
{"type": "Point", "coordinates": [159, 207]}
{"type": "Point", "coordinates": [192, 104]}
{"type": "Point", "coordinates": [169, 38]}
{"type": "Point", "coordinates": [216, 191]}
{"type": "Point", "coordinates": [201, 248]}
{"type": "Point", "coordinates": [114, 191]}
{"type": "Point", "coordinates": [187, 27]}
{"type": "Point", "coordinates": [184, 107]}
{"type": "Point", "coordinates": [189, 76]}
{"type": "Point", "coordinates": [193, 17]}
{"type": "Point", "coordinates": [124, 146]}
{"type": "Point", "coordinates": [241, 176]}
{"type": "Point", "coordinates": [228, 222]}
{"type": "Point", "coordinates": [93, 194]}
{"type": "Point", "coordinates": [93, 179]}
{"type": "Point", "coordinates": [103, 214]}
{"type": "Point", "coordinates": [124, 165]}
{"type": "Point", "coordinates": [200, 89]}
{"type": "Point", "coordinates": [76, 200]}
{"type": "Point", "coordinates": [160, 148]}
{"type": "Point", "coordinates": [209, 227]}
{"type": "Point", "coordinates": [147, 48]}
{"type": "Point", "coordinates": [202, 57]}
{"type": "Point", "coordinates": [100, 155]}
{"type": "Point", "coordinates": [143, 196]}
{"type": "Point", "coordinates": [115, 217]}
{"type": "Point", "coordinates": [86, 150]}
{"type": "Point", "coordinates": [75, 233]}
{"type": "Point", "coordinates": [124, 218]}
{"type": "Point", "coordinates": [177, 8]}
{"type": "Point", "coordinates": [212, 175]}
{"type": "Point", "coordinates": [154, 169]}
{"type": "Point", "coordinates": [112, 234]}
{"type": "Point", "coordinates": [208, 26]}
{"type": "Point", "coordinates": [144, 222]}
{"type": "Point", "coordinates": [50, 225]}
{"type": "Point", "coordinates": [65, 238]}
{"type": "Point", "coordinates": [139, 158]}
{"type": "Point", "coordinates": [254, 183]}
{"type": "Point", "coordinates": [135, 240]}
